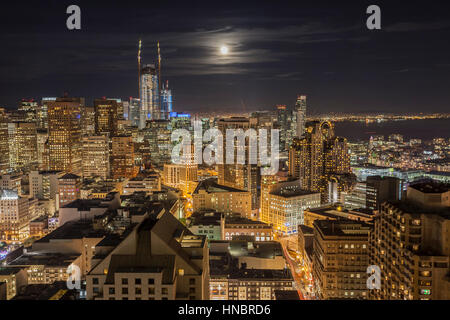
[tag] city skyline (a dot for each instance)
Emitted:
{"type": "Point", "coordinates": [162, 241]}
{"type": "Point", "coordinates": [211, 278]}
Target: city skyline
{"type": "Point", "coordinates": [270, 58]}
{"type": "Point", "coordinates": [213, 151]}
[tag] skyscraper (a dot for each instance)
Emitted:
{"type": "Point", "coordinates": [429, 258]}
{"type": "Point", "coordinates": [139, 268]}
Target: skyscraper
{"type": "Point", "coordinates": [4, 145]}
{"type": "Point", "coordinates": [134, 111]}
{"type": "Point", "coordinates": [300, 108]}
{"type": "Point", "coordinates": [96, 156]}
{"type": "Point", "coordinates": [106, 116]}
{"type": "Point", "coordinates": [87, 121]}
{"type": "Point", "coordinates": [317, 156]}
{"type": "Point", "coordinates": [149, 95]}
{"type": "Point", "coordinates": [64, 140]}
{"type": "Point", "coordinates": [122, 158]}
{"type": "Point", "coordinates": [42, 113]}
{"type": "Point", "coordinates": [166, 101]}
{"type": "Point", "coordinates": [240, 176]}
{"type": "Point", "coordinates": [29, 109]}
{"type": "Point", "coordinates": [283, 121]}
{"type": "Point", "coordinates": [158, 133]}
{"type": "Point", "coordinates": [23, 148]}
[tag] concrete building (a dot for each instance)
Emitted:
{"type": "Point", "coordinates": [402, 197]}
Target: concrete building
{"type": "Point", "coordinates": [318, 155]}
{"type": "Point", "coordinates": [159, 260]}
{"type": "Point", "coordinates": [44, 184]}
{"type": "Point", "coordinates": [341, 258]}
{"type": "Point", "coordinates": [183, 177]}
{"type": "Point", "coordinates": [15, 215]}
{"type": "Point", "coordinates": [96, 157]}
{"type": "Point", "coordinates": [87, 209]}
{"type": "Point", "coordinates": [287, 203]}
{"type": "Point", "coordinates": [239, 176]}
{"type": "Point", "coordinates": [335, 212]}
{"type": "Point", "coordinates": [64, 128]}
{"type": "Point", "coordinates": [4, 143]}
{"type": "Point", "coordinates": [23, 145]}
{"type": "Point", "coordinates": [246, 270]}
{"type": "Point", "coordinates": [122, 158]}
{"type": "Point", "coordinates": [68, 189]}
{"type": "Point", "coordinates": [146, 182]}
{"type": "Point", "coordinates": [106, 116]}
{"type": "Point", "coordinates": [207, 223]}
{"type": "Point", "coordinates": [11, 182]}
{"type": "Point", "coordinates": [411, 245]}
{"type": "Point", "coordinates": [211, 196]}
{"type": "Point", "coordinates": [14, 279]}
{"type": "Point", "coordinates": [235, 226]}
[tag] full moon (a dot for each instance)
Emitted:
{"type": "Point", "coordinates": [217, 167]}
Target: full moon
{"type": "Point", "coordinates": [223, 49]}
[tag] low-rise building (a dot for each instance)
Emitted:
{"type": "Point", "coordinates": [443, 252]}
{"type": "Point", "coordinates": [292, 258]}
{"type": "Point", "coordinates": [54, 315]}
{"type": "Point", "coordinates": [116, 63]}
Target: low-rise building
{"type": "Point", "coordinates": [211, 196]}
{"type": "Point", "coordinates": [13, 279]}
{"type": "Point", "coordinates": [159, 259]}
{"type": "Point", "coordinates": [247, 270]}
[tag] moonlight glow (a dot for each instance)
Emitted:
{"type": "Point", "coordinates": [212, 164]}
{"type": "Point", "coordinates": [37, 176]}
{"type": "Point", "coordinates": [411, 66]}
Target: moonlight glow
{"type": "Point", "coordinates": [223, 49]}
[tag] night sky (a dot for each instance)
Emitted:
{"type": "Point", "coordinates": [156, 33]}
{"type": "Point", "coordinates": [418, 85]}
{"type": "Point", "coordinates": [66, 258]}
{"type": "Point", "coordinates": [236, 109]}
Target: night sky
{"type": "Point", "coordinates": [277, 50]}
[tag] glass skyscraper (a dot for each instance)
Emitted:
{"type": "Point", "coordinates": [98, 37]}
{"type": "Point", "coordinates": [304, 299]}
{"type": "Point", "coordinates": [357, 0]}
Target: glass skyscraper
{"type": "Point", "coordinates": [149, 95]}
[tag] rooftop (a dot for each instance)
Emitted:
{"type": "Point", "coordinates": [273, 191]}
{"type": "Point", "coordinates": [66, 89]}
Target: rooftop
{"type": "Point", "coordinates": [211, 186]}
{"type": "Point", "coordinates": [6, 271]}
{"type": "Point", "coordinates": [70, 176]}
{"type": "Point", "coordinates": [430, 187]}
{"type": "Point", "coordinates": [74, 230]}
{"type": "Point", "coordinates": [44, 258]}
{"type": "Point", "coordinates": [342, 228]}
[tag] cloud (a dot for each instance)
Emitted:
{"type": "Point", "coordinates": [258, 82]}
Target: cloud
{"type": "Point", "coordinates": [412, 26]}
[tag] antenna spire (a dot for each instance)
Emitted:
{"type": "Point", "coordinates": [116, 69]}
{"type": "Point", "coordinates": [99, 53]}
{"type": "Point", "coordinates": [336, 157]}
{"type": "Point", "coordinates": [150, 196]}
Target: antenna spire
{"type": "Point", "coordinates": [159, 68]}
{"type": "Point", "coordinates": [139, 67]}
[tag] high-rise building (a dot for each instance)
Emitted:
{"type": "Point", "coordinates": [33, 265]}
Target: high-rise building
{"type": "Point", "coordinates": [28, 109]}
{"type": "Point", "coordinates": [23, 144]}
{"type": "Point", "coordinates": [42, 114]}
{"type": "Point", "coordinates": [64, 141]}
{"type": "Point", "coordinates": [42, 148]}
{"type": "Point", "coordinates": [341, 258]}
{"type": "Point", "coordinates": [134, 111]}
{"type": "Point", "coordinates": [4, 143]}
{"type": "Point", "coordinates": [122, 158]}
{"type": "Point", "coordinates": [411, 245]}
{"type": "Point", "coordinates": [149, 95]}
{"type": "Point", "coordinates": [240, 176]}
{"type": "Point", "coordinates": [317, 156]}
{"type": "Point", "coordinates": [158, 134]}
{"type": "Point", "coordinates": [166, 101]}
{"type": "Point", "coordinates": [96, 156]}
{"type": "Point", "coordinates": [283, 122]}
{"type": "Point", "coordinates": [87, 121]}
{"type": "Point", "coordinates": [106, 116]}
{"type": "Point", "coordinates": [14, 216]}
{"type": "Point", "coordinates": [300, 108]}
